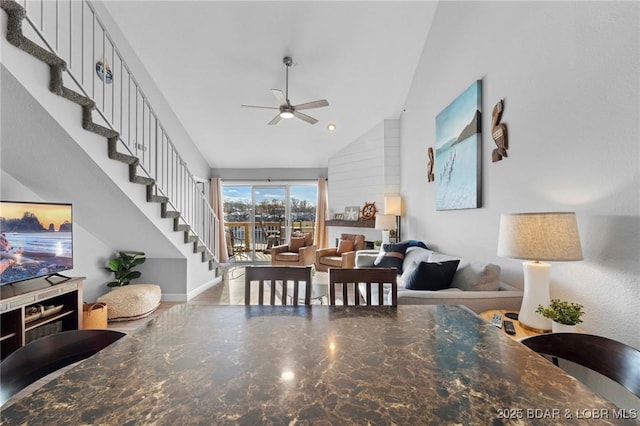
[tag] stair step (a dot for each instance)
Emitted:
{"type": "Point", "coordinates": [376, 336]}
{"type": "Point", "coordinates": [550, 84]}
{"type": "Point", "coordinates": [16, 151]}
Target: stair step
{"type": "Point", "coordinates": [183, 228]}
{"type": "Point", "coordinates": [112, 152]}
{"type": "Point", "coordinates": [158, 199]}
{"type": "Point", "coordinates": [170, 214]}
{"type": "Point", "coordinates": [142, 180]}
{"type": "Point", "coordinates": [99, 130]}
{"type": "Point", "coordinates": [153, 197]}
{"type": "Point", "coordinates": [135, 178]}
{"type": "Point", "coordinates": [198, 248]}
{"type": "Point", "coordinates": [188, 238]}
{"type": "Point", "coordinates": [207, 256]}
{"type": "Point", "coordinates": [78, 98]}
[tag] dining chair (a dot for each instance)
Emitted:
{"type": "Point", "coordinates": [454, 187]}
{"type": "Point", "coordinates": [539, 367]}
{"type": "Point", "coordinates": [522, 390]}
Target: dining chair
{"type": "Point", "coordinates": [615, 360]}
{"type": "Point", "coordinates": [365, 281]}
{"type": "Point", "coordinates": [269, 276]}
{"type": "Point", "coordinates": [42, 357]}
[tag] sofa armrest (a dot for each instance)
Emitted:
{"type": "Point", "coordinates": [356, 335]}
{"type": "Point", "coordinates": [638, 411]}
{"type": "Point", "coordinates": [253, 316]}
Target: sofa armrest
{"type": "Point", "coordinates": [308, 255]}
{"type": "Point", "coordinates": [279, 249]}
{"type": "Point", "coordinates": [366, 258]}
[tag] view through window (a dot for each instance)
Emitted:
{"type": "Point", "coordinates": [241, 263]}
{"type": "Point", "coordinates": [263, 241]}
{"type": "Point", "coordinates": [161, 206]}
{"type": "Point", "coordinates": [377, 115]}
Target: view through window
{"type": "Point", "coordinates": [258, 217]}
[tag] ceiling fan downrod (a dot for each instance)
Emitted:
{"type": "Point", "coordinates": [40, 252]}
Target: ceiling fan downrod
{"type": "Point", "coordinates": [287, 63]}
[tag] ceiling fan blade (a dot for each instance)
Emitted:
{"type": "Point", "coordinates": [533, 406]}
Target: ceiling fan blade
{"type": "Point", "coordinates": [314, 104]}
{"type": "Point", "coordinates": [305, 117]}
{"type": "Point", "coordinates": [275, 120]}
{"type": "Point", "coordinates": [280, 97]}
{"type": "Point", "coordinates": [258, 106]}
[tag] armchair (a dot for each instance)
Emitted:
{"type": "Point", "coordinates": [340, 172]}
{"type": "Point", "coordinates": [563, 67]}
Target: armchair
{"type": "Point", "coordinates": [300, 251]}
{"type": "Point", "coordinates": [343, 256]}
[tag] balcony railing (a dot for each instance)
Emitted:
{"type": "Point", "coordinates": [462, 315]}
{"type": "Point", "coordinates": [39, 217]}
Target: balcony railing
{"type": "Point", "coordinates": [265, 235]}
{"type": "Point", "coordinates": [72, 30]}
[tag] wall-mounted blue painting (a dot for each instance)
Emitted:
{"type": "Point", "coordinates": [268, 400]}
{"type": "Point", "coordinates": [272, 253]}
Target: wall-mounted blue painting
{"type": "Point", "coordinates": [458, 151]}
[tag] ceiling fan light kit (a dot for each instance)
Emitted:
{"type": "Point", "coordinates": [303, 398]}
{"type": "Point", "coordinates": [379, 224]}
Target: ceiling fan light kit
{"type": "Point", "coordinates": [286, 109]}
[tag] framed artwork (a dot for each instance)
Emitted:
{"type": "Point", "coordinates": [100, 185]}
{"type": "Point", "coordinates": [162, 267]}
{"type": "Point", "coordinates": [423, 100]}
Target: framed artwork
{"type": "Point", "coordinates": [352, 213]}
{"type": "Point", "coordinates": [458, 151]}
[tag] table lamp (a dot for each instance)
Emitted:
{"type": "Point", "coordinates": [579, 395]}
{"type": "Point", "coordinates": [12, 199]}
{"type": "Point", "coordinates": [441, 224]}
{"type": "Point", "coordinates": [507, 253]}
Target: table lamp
{"type": "Point", "coordinates": [393, 206]}
{"type": "Point", "coordinates": [385, 222]}
{"type": "Point", "coordinates": [535, 237]}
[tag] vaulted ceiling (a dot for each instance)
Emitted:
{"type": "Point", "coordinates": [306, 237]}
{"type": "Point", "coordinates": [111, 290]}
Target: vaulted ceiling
{"type": "Point", "coordinates": [209, 57]}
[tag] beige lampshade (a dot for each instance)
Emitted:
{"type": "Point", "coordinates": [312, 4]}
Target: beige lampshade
{"type": "Point", "coordinates": [385, 221]}
{"type": "Point", "coordinates": [393, 205]}
{"type": "Point", "coordinates": [540, 236]}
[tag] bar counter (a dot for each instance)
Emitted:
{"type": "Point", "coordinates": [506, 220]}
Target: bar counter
{"type": "Point", "coordinates": [413, 365]}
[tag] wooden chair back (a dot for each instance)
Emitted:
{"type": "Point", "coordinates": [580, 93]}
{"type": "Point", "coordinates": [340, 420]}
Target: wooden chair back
{"type": "Point", "coordinates": [615, 360]}
{"type": "Point", "coordinates": [270, 276]}
{"type": "Point", "coordinates": [368, 277]}
{"type": "Point", "coordinates": [42, 357]}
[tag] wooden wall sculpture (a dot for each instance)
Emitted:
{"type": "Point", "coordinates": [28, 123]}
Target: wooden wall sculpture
{"type": "Point", "coordinates": [499, 133]}
{"type": "Point", "coordinates": [430, 175]}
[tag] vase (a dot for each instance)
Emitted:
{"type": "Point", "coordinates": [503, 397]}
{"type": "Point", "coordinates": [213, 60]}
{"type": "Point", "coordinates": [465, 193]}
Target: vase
{"type": "Point", "coordinates": [557, 327]}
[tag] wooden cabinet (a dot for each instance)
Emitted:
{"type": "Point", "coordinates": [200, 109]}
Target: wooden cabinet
{"type": "Point", "coordinates": [60, 307]}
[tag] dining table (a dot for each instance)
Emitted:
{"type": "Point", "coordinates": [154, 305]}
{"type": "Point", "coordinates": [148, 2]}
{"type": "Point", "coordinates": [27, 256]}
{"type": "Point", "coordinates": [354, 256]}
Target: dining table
{"type": "Point", "coordinates": [198, 364]}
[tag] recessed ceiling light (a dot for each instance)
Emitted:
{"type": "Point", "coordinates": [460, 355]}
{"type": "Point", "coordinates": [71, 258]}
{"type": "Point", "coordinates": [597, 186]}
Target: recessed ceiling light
{"type": "Point", "coordinates": [331, 127]}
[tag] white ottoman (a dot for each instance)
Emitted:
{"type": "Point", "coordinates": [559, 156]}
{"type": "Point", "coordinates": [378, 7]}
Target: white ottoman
{"type": "Point", "coordinates": [131, 301]}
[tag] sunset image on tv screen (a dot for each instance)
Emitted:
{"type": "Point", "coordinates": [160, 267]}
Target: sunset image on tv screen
{"type": "Point", "coordinates": [36, 240]}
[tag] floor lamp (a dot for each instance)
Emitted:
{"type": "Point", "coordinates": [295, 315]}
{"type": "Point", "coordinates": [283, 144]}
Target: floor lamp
{"type": "Point", "coordinates": [535, 237]}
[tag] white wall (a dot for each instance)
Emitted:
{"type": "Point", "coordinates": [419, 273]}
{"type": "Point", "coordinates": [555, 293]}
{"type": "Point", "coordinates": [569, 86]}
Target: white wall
{"type": "Point", "coordinates": [568, 73]}
{"type": "Point", "coordinates": [365, 171]}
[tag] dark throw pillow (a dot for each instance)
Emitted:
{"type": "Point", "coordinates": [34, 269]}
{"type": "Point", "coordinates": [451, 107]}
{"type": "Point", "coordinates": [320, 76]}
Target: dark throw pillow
{"type": "Point", "coordinates": [391, 256]}
{"type": "Point", "coordinates": [416, 243]}
{"type": "Point", "coordinates": [432, 276]}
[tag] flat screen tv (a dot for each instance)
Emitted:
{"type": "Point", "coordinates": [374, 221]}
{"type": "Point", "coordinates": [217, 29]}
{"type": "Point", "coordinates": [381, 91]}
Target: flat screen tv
{"type": "Point", "coordinates": [36, 240]}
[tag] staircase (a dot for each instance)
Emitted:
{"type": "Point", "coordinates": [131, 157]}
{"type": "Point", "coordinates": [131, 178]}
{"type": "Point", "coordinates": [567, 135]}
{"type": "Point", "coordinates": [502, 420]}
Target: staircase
{"type": "Point", "coordinates": [203, 238]}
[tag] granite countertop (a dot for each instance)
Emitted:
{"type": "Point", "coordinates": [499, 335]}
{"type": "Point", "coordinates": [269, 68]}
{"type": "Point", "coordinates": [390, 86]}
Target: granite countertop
{"type": "Point", "coordinates": [205, 364]}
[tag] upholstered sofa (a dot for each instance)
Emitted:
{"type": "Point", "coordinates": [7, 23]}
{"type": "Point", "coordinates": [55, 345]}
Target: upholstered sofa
{"type": "Point", "coordinates": [475, 284]}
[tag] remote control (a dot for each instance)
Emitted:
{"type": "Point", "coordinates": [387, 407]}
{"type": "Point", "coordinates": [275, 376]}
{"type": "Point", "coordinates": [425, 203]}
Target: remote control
{"type": "Point", "coordinates": [497, 320]}
{"type": "Point", "coordinates": [509, 328]}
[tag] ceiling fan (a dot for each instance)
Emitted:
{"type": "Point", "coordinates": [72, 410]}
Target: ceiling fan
{"type": "Point", "coordinates": [286, 109]}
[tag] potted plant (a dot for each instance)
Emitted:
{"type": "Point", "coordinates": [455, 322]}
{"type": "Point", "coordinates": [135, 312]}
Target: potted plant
{"type": "Point", "coordinates": [564, 315]}
{"type": "Point", "coordinates": [377, 244]}
{"type": "Point", "coordinates": [122, 267]}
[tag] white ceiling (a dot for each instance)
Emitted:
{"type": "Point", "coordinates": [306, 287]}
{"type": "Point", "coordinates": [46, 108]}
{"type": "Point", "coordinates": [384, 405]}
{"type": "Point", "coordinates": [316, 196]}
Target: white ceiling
{"type": "Point", "coordinates": [209, 57]}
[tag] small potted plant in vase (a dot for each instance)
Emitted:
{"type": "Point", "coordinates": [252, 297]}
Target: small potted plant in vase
{"type": "Point", "coordinates": [377, 244]}
{"type": "Point", "coordinates": [565, 316]}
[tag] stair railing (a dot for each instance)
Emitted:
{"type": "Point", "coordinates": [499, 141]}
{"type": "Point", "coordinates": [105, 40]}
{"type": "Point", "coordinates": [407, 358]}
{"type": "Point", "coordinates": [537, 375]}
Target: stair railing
{"type": "Point", "coordinates": [72, 30]}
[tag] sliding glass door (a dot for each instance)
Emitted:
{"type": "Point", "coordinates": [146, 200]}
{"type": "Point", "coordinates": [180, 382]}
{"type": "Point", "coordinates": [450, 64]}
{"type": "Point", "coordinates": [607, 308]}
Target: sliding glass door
{"type": "Point", "coordinates": [270, 219]}
{"type": "Point", "coordinates": [258, 217]}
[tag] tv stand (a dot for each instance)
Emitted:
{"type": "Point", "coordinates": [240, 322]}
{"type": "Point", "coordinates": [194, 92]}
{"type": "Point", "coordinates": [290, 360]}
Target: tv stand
{"type": "Point", "coordinates": [64, 278]}
{"type": "Point", "coordinates": [64, 303]}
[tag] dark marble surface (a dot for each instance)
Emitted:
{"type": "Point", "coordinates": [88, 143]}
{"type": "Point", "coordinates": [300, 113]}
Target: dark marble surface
{"type": "Point", "coordinates": [199, 364]}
